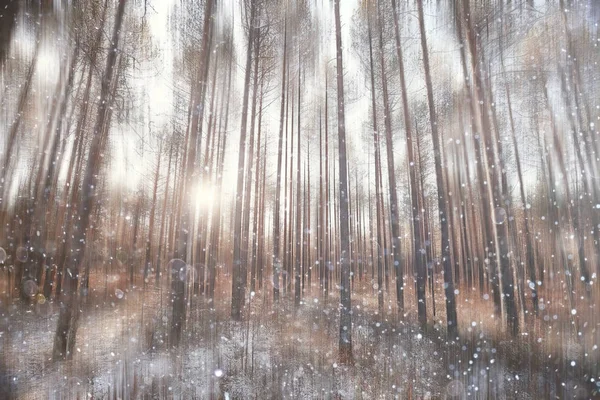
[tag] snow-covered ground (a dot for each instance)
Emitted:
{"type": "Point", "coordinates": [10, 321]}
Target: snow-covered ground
{"type": "Point", "coordinates": [122, 352]}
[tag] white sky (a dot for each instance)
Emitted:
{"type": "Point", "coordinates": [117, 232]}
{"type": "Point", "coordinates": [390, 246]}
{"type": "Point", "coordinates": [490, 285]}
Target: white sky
{"type": "Point", "coordinates": [127, 166]}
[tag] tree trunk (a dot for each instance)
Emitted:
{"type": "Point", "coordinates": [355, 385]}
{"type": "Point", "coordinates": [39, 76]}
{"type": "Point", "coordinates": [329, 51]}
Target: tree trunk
{"type": "Point", "coordinates": [10, 10]}
{"type": "Point", "coordinates": [345, 339]}
{"type": "Point", "coordinates": [258, 196]}
{"type": "Point", "coordinates": [148, 257]}
{"type": "Point", "coordinates": [498, 229]}
{"type": "Point", "coordinates": [298, 263]}
{"type": "Point", "coordinates": [379, 254]}
{"type": "Point", "coordinates": [188, 169]}
{"type": "Point", "coordinates": [277, 205]}
{"type": "Point", "coordinates": [66, 328]}
{"type": "Point", "coordinates": [161, 235]}
{"type": "Point", "coordinates": [238, 290]}
{"type": "Point", "coordinates": [442, 206]}
{"type": "Point", "coordinates": [216, 213]}
{"type": "Point", "coordinates": [250, 164]}
{"type": "Point", "coordinates": [394, 209]}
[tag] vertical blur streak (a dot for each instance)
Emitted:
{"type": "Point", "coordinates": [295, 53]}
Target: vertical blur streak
{"type": "Point", "coordinates": [345, 341]}
{"type": "Point", "coordinates": [66, 329]}
{"type": "Point", "coordinates": [174, 143]}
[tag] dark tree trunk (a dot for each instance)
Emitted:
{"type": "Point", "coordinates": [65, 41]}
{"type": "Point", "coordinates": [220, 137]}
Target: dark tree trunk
{"type": "Point", "coordinates": [298, 238]}
{"type": "Point", "coordinates": [379, 255]}
{"type": "Point", "coordinates": [250, 163]}
{"type": "Point", "coordinates": [276, 204]}
{"type": "Point", "coordinates": [258, 196]}
{"type": "Point", "coordinates": [8, 18]}
{"type": "Point", "coordinates": [345, 340]}
{"type": "Point", "coordinates": [238, 281]}
{"type": "Point", "coordinates": [442, 206]}
{"type": "Point", "coordinates": [394, 208]}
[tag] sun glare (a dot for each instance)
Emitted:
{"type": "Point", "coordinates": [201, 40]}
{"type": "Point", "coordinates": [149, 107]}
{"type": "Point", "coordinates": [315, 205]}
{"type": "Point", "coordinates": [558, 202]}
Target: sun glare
{"type": "Point", "coordinates": [204, 196]}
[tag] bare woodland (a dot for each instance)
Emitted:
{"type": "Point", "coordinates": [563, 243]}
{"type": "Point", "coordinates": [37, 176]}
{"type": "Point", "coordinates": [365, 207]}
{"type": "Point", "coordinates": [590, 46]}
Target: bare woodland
{"type": "Point", "coordinates": [358, 199]}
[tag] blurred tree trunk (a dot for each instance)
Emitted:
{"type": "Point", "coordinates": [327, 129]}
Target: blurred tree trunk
{"type": "Point", "coordinates": [11, 138]}
{"type": "Point", "coordinates": [8, 16]}
{"type": "Point", "coordinates": [321, 208]}
{"type": "Point", "coordinates": [163, 220]}
{"type": "Point", "coordinates": [257, 197]}
{"type": "Point", "coordinates": [379, 255]}
{"type": "Point", "coordinates": [238, 281]}
{"type": "Point", "coordinates": [308, 264]}
{"type": "Point", "coordinates": [289, 248]}
{"type": "Point", "coordinates": [345, 341]}
{"type": "Point", "coordinates": [187, 178]}
{"type": "Point", "coordinates": [210, 165]}
{"type": "Point", "coordinates": [250, 164]}
{"type": "Point", "coordinates": [441, 188]}
{"type": "Point", "coordinates": [39, 228]}
{"type": "Point", "coordinates": [76, 158]}
{"type": "Point", "coordinates": [148, 256]}
{"type": "Point", "coordinates": [174, 217]}
{"type": "Point", "coordinates": [261, 223]}
{"type": "Point", "coordinates": [475, 91]}
{"type": "Point", "coordinates": [298, 233]}
{"type": "Point", "coordinates": [284, 257]}
{"type": "Point", "coordinates": [66, 328]}
{"type": "Point", "coordinates": [394, 207]}
{"type": "Point", "coordinates": [216, 212]}
{"type": "Point", "coordinates": [493, 213]}
{"type": "Point", "coordinates": [502, 199]}
{"type": "Point", "coordinates": [132, 259]}
{"type": "Point", "coordinates": [327, 225]}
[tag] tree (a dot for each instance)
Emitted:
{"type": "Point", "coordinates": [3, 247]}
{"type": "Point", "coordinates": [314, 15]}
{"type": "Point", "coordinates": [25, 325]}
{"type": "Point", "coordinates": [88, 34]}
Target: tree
{"type": "Point", "coordinates": [66, 328]}
{"type": "Point", "coordinates": [378, 214]}
{"type": "Point", "coordinates": [442, 202]}
{"type": "Point", "coordinates": [345, 341]}
{"type": "Point", "coordinates": [276, 205]}
{"type": "Point", "coordinates": [188, 173]}
{"type": "Point", "coordinates": [238, 280]}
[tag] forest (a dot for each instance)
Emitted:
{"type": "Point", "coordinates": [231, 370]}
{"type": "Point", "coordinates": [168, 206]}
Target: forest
{"type": "Point", "coordinates": [303, 199]}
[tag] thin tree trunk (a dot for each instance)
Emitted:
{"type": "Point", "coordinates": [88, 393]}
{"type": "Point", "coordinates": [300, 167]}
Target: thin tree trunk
{"type": "Point", "coordinates": [257, 197]}
{"type": "Point", "coordinates": [379, 254]}
{"type": "Point", "coordinates": [250, 164]}
{"type": "Point", "coordinates": [148, 257]}
{"type": "Point", "coordinates": [298, 263]}
{"type": "Point", "coordinates": [327, 226]}
{"type": "Point", "coordinates": [262, 224]}
{"type": "Point", "coordinates": [394, 208]}
{"type": "Point", "coordinates": [277, 205]}
{"type": "Point", "coordinates": [161, 235]}
{"type": "Point", "coordinates": [239, 270]}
